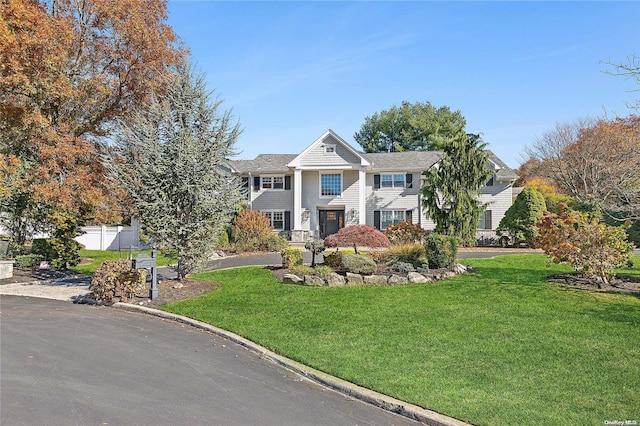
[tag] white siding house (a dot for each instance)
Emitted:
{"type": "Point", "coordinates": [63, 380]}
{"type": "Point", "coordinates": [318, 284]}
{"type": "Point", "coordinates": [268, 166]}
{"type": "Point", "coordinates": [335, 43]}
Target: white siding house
{"type": "Point", "coordinates": [330, 185]}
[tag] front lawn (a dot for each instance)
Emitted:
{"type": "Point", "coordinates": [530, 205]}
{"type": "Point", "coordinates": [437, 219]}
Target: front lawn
{"type": "Point", "coordinates": [497, 347]}
{"type": "Point", "coordinates": [99, 256]}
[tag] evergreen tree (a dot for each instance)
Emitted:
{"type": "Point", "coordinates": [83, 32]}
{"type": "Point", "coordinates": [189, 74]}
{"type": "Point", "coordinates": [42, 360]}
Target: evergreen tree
{"type": "Point", "coordinates": [521, 218]}
{"type": "Point", "coordinates": [452, 189]}
{"type": "Point", "coordinates": [171, 160]}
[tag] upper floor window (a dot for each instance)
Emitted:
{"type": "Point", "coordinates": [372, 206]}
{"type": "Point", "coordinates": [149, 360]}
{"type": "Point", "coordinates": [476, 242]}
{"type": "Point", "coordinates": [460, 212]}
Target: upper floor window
{"type": "Point", "coordinates": [272, 182]}
{"type": "Point", "coordinates": [491, 181]}
{"type": "Point", "coordinates": [329, 149]}
{"type": "Point", "coordinates": [392, 181]}
{"type": "Point", "coordinates": [330, 184]}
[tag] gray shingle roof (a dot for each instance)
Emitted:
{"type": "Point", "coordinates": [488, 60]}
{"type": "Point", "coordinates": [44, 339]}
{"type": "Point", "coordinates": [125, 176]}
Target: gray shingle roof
{"type": "Point", "coordinates": [505, 172]}
{"type": "Point", "coordinates": [380, 162]}
{"type": "Point", "coordinates": [264, 163]}
{"type": "Point", "coordinates": [402, 161]}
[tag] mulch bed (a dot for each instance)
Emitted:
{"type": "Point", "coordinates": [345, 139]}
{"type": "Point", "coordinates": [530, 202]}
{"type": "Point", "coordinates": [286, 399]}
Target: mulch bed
{"type": "Point", "coordinates": [621, 284]}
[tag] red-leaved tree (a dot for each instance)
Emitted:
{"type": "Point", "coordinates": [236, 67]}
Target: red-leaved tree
{"type": "Point", "coordinates": [357, 235]}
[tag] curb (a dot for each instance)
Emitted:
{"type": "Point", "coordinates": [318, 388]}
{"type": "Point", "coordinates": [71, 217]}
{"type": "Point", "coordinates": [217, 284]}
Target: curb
{"type": "Point", "coordinates": [368, 396]}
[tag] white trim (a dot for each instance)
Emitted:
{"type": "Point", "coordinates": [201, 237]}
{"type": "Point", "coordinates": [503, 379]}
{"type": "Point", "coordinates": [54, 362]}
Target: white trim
{"type": "Point", "coordinates": [362, 184]}
{"type": "Point", "coordinates": [297, 199]}
{"type": "Point", "coordinates": [296, 162]}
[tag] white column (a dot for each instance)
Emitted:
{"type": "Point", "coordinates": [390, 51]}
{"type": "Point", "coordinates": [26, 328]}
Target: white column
{"type": "Point", "coordinates": [362, 214]}
{"type": "Point", "coordinates": [297, 199]}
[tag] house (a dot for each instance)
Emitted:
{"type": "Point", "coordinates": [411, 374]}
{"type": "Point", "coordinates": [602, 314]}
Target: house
{"type": "Point", "coordinates": [331, 185]}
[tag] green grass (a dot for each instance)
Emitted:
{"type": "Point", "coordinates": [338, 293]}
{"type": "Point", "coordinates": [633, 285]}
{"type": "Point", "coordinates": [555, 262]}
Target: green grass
{"type": "Point", "coordinates": [99, 256]}
{"type": "Point", "coordinates": [500, 346]}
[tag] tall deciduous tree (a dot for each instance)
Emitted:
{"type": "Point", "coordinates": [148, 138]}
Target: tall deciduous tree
{"type": "Point", "coordinates": [452, 188]}
{"type": "Point", "coordinates": [409, 127]}
{"type": "Point", "coordinates": [595, 161]}
{"type": "Point", "coordinates": [171, 160]}
{"type": "Point", "coordinates": [69, 69]}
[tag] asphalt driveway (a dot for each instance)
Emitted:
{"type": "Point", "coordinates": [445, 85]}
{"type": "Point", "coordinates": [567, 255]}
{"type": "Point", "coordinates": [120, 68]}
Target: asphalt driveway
{"type": "Point", "coordinates": [65, 364]}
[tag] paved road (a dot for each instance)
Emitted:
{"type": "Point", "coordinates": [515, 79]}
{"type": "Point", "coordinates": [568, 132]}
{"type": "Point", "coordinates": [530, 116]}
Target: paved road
{"type": "Point", "coordinates": [65, 364]}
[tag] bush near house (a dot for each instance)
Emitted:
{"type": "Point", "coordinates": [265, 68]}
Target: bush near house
{"type": "Point", "coordinates": [291, 257]}
{"type": "Point", "coordinates": [405, 233]}
{"type": "Point", "coordinates": [521, 218]}
{"type": "Point", "coordinates": [252, 231]}
{"type": "Point", "coordinates": [357, 235]}
{"type": "Point", "coordinates": [358, 264]}
{"type": "Point", "coordinates": [441, 250]}
{"type": "Point", "coordinates": [413, 254]}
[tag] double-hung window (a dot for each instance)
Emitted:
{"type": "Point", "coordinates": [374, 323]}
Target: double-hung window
{"type": "Point", "coordinates": [330, 184]}
{"type": "Point", "coordinates": [276, 218]}
{"type": "Point", "coordinates": [391, 217]}
{"type": "Point", "coordinates": [272, 182]}
{"type": "Point", "coordinates": [392, 181]}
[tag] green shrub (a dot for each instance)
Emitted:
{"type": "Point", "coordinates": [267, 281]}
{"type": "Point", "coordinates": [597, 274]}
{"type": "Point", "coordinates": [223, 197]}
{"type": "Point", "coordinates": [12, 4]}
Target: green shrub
{"type": "Point", "coordinates": [413, 254]}
{"type": "Point", "coordinates": [114, 281]}
{"type": "Point", "coordinates": [29, 260]}
{"type": "Point", "coordinates": [402, 267]}
{"type": "Point", "coordinates": [291, 257]}
{"type": "Point", "coordinates": [358, 264]}
{"type": "Point", "coordinates": [64, 248]}
{"type": "Point", "coordinates": [41, 246]}
{"type": "Point", "coordinates": [223, 238]}
{"type": "Point", "coordinates": [320, 271]}
{"type": "Point", "coordinates": [333, 259]}
{"type": "Point", "coordinates": [441, 250]}
{"type": "Point", "coordinates": [274, 242]}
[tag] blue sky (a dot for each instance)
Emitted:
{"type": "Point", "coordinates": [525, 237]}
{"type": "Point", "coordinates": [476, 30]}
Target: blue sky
{"type": "Point", "coordinates": [292, 70]}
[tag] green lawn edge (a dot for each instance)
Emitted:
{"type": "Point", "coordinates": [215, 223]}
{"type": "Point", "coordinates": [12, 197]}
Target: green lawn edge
{"type": "Point", "coordinates": [500, 346]}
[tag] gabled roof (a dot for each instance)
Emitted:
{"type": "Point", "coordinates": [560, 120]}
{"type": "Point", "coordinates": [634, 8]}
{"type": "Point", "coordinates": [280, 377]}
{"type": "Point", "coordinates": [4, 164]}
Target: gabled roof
{"type": "Point", "coordinates": [408, 161]}
{"type": "Point", "coordinates": [329, 134]}
{"type": "Point", "coordinates": [503, 171]}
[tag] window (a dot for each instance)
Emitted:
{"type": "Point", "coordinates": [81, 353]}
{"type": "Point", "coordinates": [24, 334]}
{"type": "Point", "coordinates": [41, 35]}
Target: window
{"type": "Point", "coordinates": [490, 181]}
{"type": "Point", "coordinates": [330, 185]}
{"type": "Point", "coordinates": [244, 186]}
{"type": "Point", "coordinates": [390, 217]}
{"type": "Point", "coordinates": [272, 182]}
{"type": "Point", "coordinates": [278, 182]}
{"type": "Point", "coordinates": [329, 149]}
{"type": "Point", "coordinates": [276, 218]}
{"type": "Point", "coordinates": [485, 220]}
{"type": "Point", "coordinates": [392, 181]}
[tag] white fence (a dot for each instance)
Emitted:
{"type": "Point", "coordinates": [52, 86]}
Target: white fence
{"type": "Point", "coordinates": [110, 237]}
{"type": "Point", "coordinates": [114, 238]}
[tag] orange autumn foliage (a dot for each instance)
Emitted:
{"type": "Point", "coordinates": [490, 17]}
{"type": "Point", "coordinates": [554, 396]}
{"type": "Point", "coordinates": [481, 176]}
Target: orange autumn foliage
{"type": "Point", "coordinates": [69, 69]}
